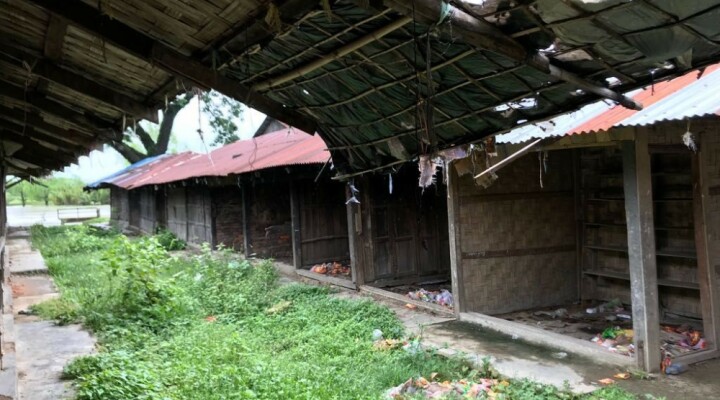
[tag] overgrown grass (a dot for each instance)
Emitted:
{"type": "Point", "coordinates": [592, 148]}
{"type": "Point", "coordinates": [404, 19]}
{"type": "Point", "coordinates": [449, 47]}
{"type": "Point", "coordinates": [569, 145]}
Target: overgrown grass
{"type": "Point", "coordinates": [214, 326]}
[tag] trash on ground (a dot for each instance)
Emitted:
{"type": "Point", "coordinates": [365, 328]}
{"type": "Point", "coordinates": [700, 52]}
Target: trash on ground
{"type": "Point", "coordinates": [607, 381]}
{"type": "Point", "coordinates": [442, 297]}
{"type": "Point", "coordinates": [410, 306]}
{"type": "Point", "coordinates": [331, 268]}
{"type": "Point", "coordinates": [421, 388]}
{"type": "Point", "coordinates": [675, 369]}
{"type": "Point", "coordinates": [622, 375]}
{"type": "Point", "coordinates": [560, 355]}
{"type": "Point", "coordinates": [279, 307]}
{"type": "Point", "coordinates": [377, 335]}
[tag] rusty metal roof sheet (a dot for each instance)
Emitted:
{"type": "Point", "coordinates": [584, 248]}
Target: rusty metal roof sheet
{"type": "Point", "coordinates": [687, 96]}
{"type": "Point", "coordinates": [277, 149]}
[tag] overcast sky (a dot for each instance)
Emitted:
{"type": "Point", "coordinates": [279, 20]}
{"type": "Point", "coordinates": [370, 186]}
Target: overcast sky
{"type": "Point", "coordinates": [100, 164]}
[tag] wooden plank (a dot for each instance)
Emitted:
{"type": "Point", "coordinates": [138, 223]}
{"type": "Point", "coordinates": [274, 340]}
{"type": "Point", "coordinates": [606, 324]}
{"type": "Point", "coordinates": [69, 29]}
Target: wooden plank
{"type": "Point", "coordinates": [709, 303]}
{"type": "Point", "coordinates": [478, 255]}
{"type": "Point", "coordinates": [346, 283]}
{"type": "Point", "coordinates": [456, 260]}
{"type": "Point", "coordinates": [144, 47]}
{"type": "Point", "coordinates": [641, 255]}
{"type": "Point", "coordinates": [90, 124]}
{"type": "Point", "coordinates": [295, 226]}
{"type": "Point", "coordinates": [245, 222]}
{"type": "Point", "coordinates": [355, 232]}
{"type": "Point", "coordinates": [55, 38]}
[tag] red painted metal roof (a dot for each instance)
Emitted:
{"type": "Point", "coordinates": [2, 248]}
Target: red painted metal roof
{"type": "Point", "coordinates": [652, 99]}
{"type": "Point", "coordinates": [277, 149]}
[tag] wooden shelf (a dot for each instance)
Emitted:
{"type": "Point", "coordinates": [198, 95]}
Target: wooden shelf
{"type": "Point", "coordinates": [657, 228]}
{"type": "Point", "coordinates": [661, 282]}
{"type": "Point", "coordinates": [679, 199]}
{"type": "Point", "coordinates": [675, 253]}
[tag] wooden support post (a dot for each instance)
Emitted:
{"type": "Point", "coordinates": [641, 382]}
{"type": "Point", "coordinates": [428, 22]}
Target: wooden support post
{"type": "Point", "coordinates": [709, 294]}
{"type": "Point", "coordinates": [245, 224]}
{"type": "Point", "coordinates": [641, 252]}
{"type": "Point", "coordinates": [579, 219]}
{"type": "Point", "coordinates": [355, 232]}
{"type": "Point", "coordinates": [295, 226]}
{"type": "Point", "coordinates": [456, 267]}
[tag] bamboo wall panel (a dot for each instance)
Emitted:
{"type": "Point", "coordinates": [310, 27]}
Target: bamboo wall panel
{"type": "Point", "coordinates": [148, 210]}
{"type": "Point", "coordinates": [119, 207]}
{"type": "Point", "coordinates": [177, 212]}
{"type": "Point", "coordinates": [269, 220]}
{"type": "Point", "coordinates": [518, 237]}
{"type": "Point", "coordinates": [199, 215]}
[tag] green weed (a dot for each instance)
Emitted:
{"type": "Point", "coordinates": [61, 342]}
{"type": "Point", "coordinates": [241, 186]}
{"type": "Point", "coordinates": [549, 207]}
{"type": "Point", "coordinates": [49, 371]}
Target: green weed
{"type": "Point", "coordinates": [215, 326]}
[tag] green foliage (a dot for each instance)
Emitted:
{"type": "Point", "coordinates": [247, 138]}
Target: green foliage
{"type": "Point", "coordinates": [169, 241]}
{"type": "Point", "coordinates": [215, 326]}
{"type": "Point", "coordinates": [223, 114]}
{"type": "Point", "coordinates": [56, 191]}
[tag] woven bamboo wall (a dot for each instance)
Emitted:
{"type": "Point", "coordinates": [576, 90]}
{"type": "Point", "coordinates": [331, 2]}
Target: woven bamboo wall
{"type": "Point", "coordinates": [148, 214]}
{"type": "Point", "coordinates": [176, 212]}
{"type": "Point", "coordinates": [199, 215]}
{"type": "Point", "coordinates": [119, 207]}
{"type": "Point", "coordinates": [517, 239]}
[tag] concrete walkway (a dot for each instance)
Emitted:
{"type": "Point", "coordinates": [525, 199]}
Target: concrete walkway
{"type": "Point", "coordinates": [42, 348]}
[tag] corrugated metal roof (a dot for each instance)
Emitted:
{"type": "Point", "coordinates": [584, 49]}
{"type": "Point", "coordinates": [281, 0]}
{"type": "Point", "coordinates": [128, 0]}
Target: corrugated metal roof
{"type": "Point", "coordinates": [677, 99]}
{"type": "Point", "coordinates": [277, 149]}
{"type": "Point", "coordinates": [103, 181]}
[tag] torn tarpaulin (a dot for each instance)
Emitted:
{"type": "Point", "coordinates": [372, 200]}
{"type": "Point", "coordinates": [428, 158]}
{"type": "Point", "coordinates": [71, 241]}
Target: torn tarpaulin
{"type": "Point", "coordinates": [428, 168]}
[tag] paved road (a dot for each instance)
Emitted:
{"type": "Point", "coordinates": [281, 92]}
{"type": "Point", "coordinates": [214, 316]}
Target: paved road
{"type": "Point", "coordinates": [31, 215]}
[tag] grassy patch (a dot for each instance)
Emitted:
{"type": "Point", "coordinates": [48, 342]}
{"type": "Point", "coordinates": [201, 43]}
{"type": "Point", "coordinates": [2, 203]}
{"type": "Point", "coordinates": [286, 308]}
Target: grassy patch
{"type": "Point", "coordinates": [214, 326]}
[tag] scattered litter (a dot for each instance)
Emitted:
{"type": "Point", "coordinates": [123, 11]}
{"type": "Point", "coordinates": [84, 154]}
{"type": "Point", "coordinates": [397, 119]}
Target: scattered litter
{"type": "Point", "coordinates": [211, 318]}
{"type": "Point", "coordinates": [332, 268]}
{"type": "Point", "coordinates": [675, 369]}
{"type": "Point", "coordinates": [515, 337]}
{"type": "Point", "coordinates": [560, 355]}
{"type": "Point", "coordinates": [422, 388]}
{"type": "Point", "coordinates": [377, 335]}
{"type": "Point", "coordinates": [442, 297]}
{"type": "Point", "coordinates": [559, 313]}
{"type": "Point", "coordinates": [607, 381]}
{"type": "Point", "coordinates": [622, 375]}
{"type": "Point", "coordinates": [388, 344]}
{"type": "Point", "coordinates": [624, 316]}
{"type": "Point", "coordinates": [410, 306]}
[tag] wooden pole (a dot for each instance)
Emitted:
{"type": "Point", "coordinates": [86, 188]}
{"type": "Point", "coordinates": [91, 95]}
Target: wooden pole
{"type": "Point", "coordinates": [641, 252]}
{"type": "Point", "coordinates": [454, 237]}
{"type": "Point", "coordinates": [355, 231]}
{"type": "Point", "coordinates": [509, 159]}
{"type": "Point", "coordinates": [245, 224]}
{"type": "Point", "coordinates": [295, 227]}
{"type": "Point", "coordinates": [709, 302]}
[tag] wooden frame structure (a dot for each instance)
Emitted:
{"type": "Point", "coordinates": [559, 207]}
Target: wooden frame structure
{"type": "Point", "coordinates": [654, 286]}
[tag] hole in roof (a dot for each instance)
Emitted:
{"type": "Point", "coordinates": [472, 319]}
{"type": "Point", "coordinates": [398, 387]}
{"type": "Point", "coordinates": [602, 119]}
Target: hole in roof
{"type": "Point", "coordinates": [613, 81]}
{"type": "Point", "coordinates": [578, 92]}
{"type": "Point", "coordinates": [521, 121]}
{"type": "Point", "coordinates": [305, 92]}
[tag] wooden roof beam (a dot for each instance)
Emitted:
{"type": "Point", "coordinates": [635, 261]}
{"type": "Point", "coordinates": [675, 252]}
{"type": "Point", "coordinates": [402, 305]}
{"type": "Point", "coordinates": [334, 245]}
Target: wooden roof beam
{"type": "Point", "coordinates": [92, 124]}
{"type": "Point", "coordinates": [55, 38]}
{"type": "Point", "coordinates": [34, 134]}
{"type": "Point", "coordinates": [484, 35]}
{"type": "Point", "coordinates": [33, 120]}
{"type": "Point", "coordinates": [40, 154]}
{"type": "Point", "coordinates": [50, 71]}
{"type": "Point", "coordinates": [140, 45]}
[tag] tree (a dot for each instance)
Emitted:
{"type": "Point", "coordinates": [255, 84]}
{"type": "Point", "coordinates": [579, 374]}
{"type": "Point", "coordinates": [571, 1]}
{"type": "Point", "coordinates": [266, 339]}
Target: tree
{"type": "Point", "coordinates": [153, 145]}
{"type": "Point", "coordinates": [221, 110]}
